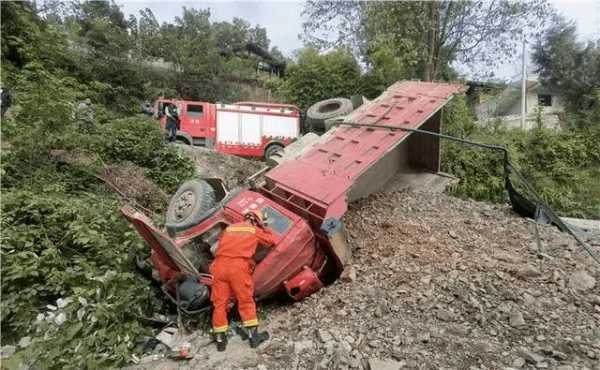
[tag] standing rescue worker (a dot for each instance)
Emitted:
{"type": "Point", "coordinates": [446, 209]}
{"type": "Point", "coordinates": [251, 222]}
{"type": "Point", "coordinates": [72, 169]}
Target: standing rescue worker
{"type": "Point", "coordinates": [172, 121]}
{"type": "Point", "coordinates": [232, 273]}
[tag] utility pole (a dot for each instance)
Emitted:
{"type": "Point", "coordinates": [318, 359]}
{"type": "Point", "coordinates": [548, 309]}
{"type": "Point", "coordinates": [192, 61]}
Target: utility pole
{"type": "Point", "coordinates": [597, 23]}
{"type": "Point", "coordinates": [524, 87]}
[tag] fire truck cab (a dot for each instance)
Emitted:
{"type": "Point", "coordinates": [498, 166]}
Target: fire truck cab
{"type": "Point", "coordinates": [249, 129]}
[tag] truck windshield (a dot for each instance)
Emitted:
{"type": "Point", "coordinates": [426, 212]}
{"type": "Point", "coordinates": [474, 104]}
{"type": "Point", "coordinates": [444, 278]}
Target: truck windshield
{"type": "Point", "coordinates": [278, 222]}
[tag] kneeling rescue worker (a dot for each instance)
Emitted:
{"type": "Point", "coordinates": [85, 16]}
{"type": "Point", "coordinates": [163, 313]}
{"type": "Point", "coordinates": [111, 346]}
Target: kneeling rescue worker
{"type": "Point", "coordinates": [232, 273]}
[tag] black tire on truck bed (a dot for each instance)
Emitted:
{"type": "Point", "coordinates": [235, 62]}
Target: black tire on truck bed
{"type": "Point", "coordinates": [190, 205]}
{"type": "Point", "coordinates": [327, 109]}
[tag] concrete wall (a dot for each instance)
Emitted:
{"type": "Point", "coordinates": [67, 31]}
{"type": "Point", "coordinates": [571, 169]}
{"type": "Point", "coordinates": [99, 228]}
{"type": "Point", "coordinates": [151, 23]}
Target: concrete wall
{"type": "Point", "coordinates": [532, 105]}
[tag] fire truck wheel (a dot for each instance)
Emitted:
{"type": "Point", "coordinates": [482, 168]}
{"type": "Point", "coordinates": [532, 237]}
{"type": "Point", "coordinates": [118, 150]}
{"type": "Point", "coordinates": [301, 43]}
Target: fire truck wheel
{"type": "Point", "coordinates": [327, 109]}
{"type": "Point", "coordinates": [272, 149]}
{"type": "Point", "coordinates": [190, 204]}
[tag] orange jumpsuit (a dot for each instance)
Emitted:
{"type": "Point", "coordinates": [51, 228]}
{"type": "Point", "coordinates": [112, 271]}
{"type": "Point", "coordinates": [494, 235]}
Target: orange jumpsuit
{"type": "Point", "coordinates": [232, 273]}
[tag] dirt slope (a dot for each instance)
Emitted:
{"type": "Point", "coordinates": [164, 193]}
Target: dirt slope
{"type": "Point", "coordinates": [230, 168]}
{"type": "Point", "coordinates": [440, 283]}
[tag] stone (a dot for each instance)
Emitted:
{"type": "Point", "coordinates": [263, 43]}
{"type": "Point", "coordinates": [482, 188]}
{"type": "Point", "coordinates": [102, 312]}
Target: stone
{"type": "Point", "coordinates": [452, 234]}
{"type": "Point", "coordinates": [581, 281]}
{"type": "Point", "coordinates": [528, 271]}
{"type": "Point", "coordinates": [518, 362]}
{"type": "Point", "coordinates": [330, 347]}
{"type": "Point", "coordinates": [62, 303]}
{"type": "Point", "coordinates": [80, 313]}
{"type": "Point", "coordinates": [60, 319]}
{"type": "Point", "coordinates": [424, 337]}
{"type": "Point", "coordinates": [323, 335]}
{"type": "Point", "coordinates": [516, 319]}
{"type": "Point", "coordinates": [7, 351]}
{"type": "Point", "coordinates": [303, 345]}
{"type": "Point", "coordinates": [376, 364]}
{"type": "Point", "coordinates": [349, 274]}
{"type": "Point", "coordinates": [565, 367]}
{"type": "Point", "coordinates": [341, 357]}
{"type": "Point", "coordinates": [507, 257]}
{"type": "Point", "coordinates": [531, 357]}
{"type": "Point", "coordinates": [445, 315]}
{"type": "Point", "coordinates": [261, 367]}
{"type": "Point", "coordinates": [251, 361]}
{"type": "Point", "coordinates": [24, 342]}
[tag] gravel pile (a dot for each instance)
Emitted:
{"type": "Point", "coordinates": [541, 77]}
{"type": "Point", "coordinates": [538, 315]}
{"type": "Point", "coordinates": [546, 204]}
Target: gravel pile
{"type": "Point", "coordinates": [439, 283]}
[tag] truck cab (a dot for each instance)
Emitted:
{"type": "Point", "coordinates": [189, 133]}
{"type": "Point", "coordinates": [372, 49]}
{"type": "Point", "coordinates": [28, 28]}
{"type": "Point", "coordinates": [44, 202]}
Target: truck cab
{"type": "Point", "coordinates": [197, 121]}
{"type": "Point", "coordinates": [292, 259]}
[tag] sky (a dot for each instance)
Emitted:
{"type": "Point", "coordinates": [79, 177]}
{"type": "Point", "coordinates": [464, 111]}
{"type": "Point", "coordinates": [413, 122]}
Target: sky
{"type": "Point", "coordinates": [283, 20]}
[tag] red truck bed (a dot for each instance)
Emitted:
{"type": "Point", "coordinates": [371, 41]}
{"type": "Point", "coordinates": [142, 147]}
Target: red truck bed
{"type": "Point", "coordinates": [317, 184]}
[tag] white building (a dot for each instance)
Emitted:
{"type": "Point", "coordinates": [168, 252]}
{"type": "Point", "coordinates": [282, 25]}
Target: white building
{"type": "Point", "coordinates": [506, 106]}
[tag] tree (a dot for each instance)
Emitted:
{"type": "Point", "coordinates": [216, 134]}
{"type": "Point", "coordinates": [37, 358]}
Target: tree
{"type": "Point", "coordinates": [149, 34]}
{"type": "Point", "coordinates": [569, 67]}
{"type": "Point", "coordinates": [436, 33]}
{"type": "Point", "coordinates": [314, 77]}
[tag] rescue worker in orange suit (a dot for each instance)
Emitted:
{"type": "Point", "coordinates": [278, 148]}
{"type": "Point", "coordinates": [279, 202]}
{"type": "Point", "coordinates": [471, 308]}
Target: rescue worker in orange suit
{"type": "Point", "coordinates": [232, 275]}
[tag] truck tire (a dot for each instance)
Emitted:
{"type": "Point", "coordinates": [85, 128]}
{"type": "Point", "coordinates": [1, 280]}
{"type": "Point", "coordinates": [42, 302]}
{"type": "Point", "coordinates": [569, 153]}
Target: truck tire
{"type": "Point", "coordinates": [190, 205]}
{"type": "Point", "coordinates": [327, 109]}
{"type": "Point", "coordinates": [271, 149]}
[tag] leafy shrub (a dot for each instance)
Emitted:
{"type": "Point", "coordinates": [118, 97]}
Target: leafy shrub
{"type": "Point", "coordinates": [563, 166]}
{"type": "Point", "coordinates": [64, 242]}
{"type": "Point", "coordinates": [71, 246]}
{"type": "Point", "coordinates": [316, 77]}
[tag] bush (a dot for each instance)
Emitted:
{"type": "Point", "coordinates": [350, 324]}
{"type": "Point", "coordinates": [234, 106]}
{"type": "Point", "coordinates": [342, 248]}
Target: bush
{"type": "Point", "coordinates": [67, 279]}
{"type": "Point", "coordinates": [315, 77]}
{"type": "Point", "coordinates": [563, 167]}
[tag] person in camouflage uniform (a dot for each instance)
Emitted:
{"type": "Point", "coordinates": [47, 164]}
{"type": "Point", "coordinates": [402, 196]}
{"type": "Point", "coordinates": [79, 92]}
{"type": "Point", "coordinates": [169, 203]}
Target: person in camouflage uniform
{"type": "Point", "coordinates": [85, 116]}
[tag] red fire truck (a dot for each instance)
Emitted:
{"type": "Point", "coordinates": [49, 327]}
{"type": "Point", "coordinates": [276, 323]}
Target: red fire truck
{"type": "Point", "coordinates": [249, 129]}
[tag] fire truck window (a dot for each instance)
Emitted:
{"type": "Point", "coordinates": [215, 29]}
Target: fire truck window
{"type": "Point", "coordinates": [278, 222]}
{"type": "Point", "coordinates": [195, 111]}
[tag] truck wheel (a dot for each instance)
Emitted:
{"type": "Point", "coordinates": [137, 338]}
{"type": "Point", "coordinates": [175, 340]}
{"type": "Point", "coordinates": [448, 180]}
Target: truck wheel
{"type": "Point", "coordinates": [190, 204]}
{"type": "Point", "coordinates": [272, 149]}
{"type": "Point", "coordinates": [327, 109]}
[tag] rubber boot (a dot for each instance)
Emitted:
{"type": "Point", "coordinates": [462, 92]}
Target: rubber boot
{"type": "Point", "coordinates": [255, 337]}
{"type": "Point", "coordinates": [221, 339]}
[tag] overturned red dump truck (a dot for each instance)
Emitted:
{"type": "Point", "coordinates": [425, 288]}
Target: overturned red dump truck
{"type": "Point", "coordinates": [304, 198]}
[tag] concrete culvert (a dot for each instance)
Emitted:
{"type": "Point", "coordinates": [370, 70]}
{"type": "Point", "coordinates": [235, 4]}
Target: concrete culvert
{"type": "Point", "coordinates": [327, 109]}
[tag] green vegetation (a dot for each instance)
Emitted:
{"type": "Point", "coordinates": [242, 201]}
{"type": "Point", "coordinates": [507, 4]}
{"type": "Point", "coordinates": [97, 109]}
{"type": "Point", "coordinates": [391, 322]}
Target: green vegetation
{"type": "Point", "coordinates": [314, 77]}
{"type": "Point", "coordinates": [63, 236]}
{"type": "Point", "coordinates": [563, 166]}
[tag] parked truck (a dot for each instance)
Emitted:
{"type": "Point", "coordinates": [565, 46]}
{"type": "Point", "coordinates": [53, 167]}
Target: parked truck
{"type": "Point", "coordinates": [249, 129]}
{"type": "Point", "coordinates": [304, 197]}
